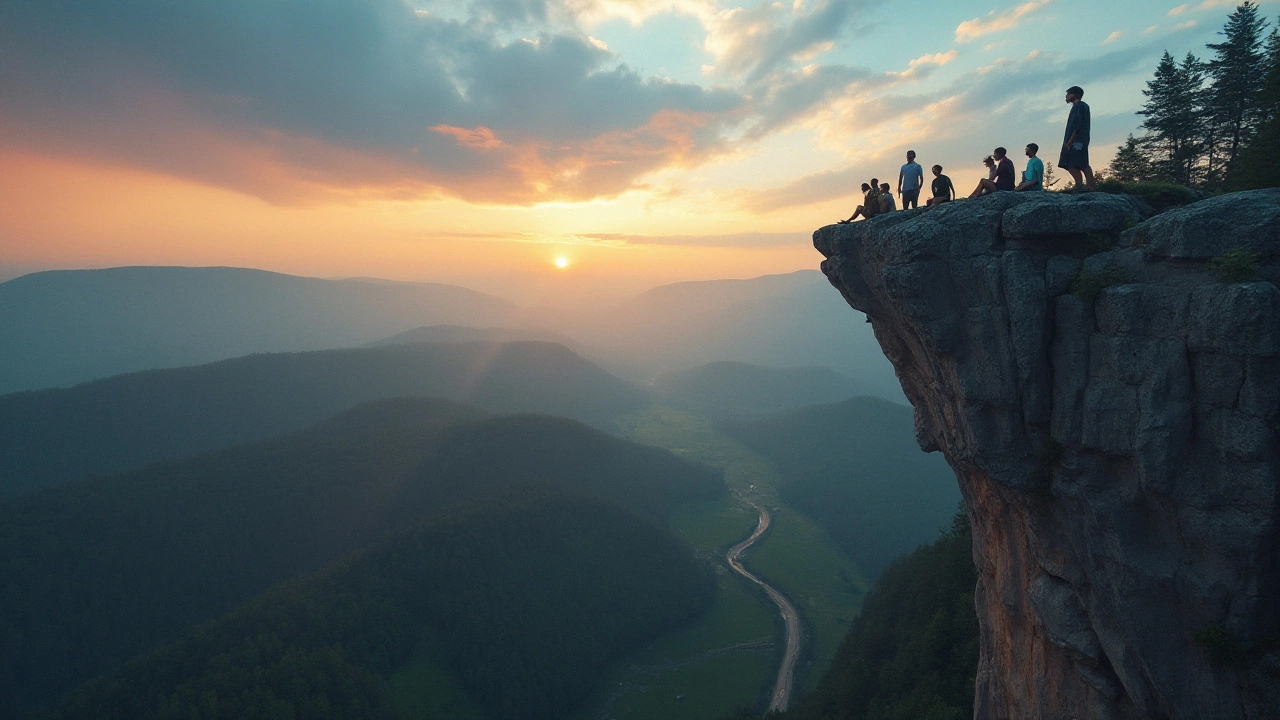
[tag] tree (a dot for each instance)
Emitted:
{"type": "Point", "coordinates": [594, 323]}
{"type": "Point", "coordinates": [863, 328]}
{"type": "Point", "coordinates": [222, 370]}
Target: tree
{"type": "Point", "coordinates": [1237, 72]}
{"type": "Point", "coordinates": [1174, 119]}
{"type": "Point", "coordinates": [1131, 163]}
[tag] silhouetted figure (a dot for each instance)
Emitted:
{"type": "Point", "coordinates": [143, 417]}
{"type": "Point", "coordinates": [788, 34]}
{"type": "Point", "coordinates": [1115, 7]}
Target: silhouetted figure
{"type": "Point", "coordinates": [861, 211]}
{"type": "Point", "coordinates": [943, 190]}
{"type": "Point", "coordinates": [1033, 176]}
{"type": "Point", "coordinates": [1001, 175]}
{"type": "Point", "coordinates": [910, 180]}
{"type": "Point", "coordinates": [886, 199]}
{"type": "Point", "coordinates": [1075, 143]}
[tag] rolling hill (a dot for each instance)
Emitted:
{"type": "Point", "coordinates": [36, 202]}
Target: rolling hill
{"type": "Point", "coordinates": [459, 333]}
{"type": "Point", "coordinates": [792, 320]}
{"type": "Point", "coordinates": [64, 327]}
{"type": "Point", "coordinates": [524, 599]}
{"type": "Point", "coordinates": [95, 572]}
{"type": "Point", "coordinates": [855, 467]}
{"type": "Point", "coordinates": [50, 436]}
{"type": "Point", "coordinates": [732, 389]}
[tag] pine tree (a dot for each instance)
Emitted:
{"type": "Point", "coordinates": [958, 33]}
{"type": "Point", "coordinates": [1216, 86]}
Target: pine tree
{"type": "Point", "coordinates": [1174, 119]}
{"type": "Point", "coordinates": [1237, 71]}
{"type": "Point", "coordinates": [1131, 163]}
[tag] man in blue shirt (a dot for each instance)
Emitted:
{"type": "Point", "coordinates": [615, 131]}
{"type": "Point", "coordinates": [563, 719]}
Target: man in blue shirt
{"type": "Point", "coordinates": [1075, 143]}
{"type": "Point", "coordinates": [1033, 177]}
{"type": "Point", "coordinates": [910, 181]}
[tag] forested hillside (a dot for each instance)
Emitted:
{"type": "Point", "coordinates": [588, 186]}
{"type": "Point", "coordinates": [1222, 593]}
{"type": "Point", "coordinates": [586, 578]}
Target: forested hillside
{"type": "Point", "coordinates": [855, 467]}
{"type": "Point", "coordinates": [123, 422]}
{"type": "Point", "coordinates": [525, 598]}
{"type": "Point", "coordinates": [913, 650]}
{"type": "Point", "coordinates": [95, 571]}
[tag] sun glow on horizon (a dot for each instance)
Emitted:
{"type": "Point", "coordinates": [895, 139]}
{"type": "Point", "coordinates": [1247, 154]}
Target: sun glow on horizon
{"type": "Point", "coordinates": [562, 262]}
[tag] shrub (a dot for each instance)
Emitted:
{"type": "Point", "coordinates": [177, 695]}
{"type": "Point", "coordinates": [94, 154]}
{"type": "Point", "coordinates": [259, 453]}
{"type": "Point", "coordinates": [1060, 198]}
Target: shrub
{"type": "Point", "coordinates": [1160, 196]}
{"type": "Point", "coordinates": [1236, 265]}
{"type": "Point", "coordinates": [1089, 283]}
{"type": "Point", "coordinates": [1220, 645]}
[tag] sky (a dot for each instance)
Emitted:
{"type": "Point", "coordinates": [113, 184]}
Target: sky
{"type": "Point", "coordinates": [478, 141]}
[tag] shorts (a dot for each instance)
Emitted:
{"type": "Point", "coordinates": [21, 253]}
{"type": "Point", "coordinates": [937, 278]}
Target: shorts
{"type": "Point", "coordinates": [1075, 157]}
{"type": "Point", "coordinates": [910, 195]}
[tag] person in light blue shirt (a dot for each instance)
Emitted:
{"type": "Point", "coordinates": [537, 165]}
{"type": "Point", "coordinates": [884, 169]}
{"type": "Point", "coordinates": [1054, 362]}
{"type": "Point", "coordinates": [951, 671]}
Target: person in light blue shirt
{"type": "Point", "coordinates": [910, 181]}
{"type": "Point", "coordinates": [1033, 177]}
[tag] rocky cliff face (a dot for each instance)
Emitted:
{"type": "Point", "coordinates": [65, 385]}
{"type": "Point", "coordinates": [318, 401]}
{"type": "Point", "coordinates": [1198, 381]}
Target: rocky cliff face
{"type": "Point", "coordinates": [1110, 405]}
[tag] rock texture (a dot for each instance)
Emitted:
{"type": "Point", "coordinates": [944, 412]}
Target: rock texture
{"type": "Point", "coordinates": [1110, 406]}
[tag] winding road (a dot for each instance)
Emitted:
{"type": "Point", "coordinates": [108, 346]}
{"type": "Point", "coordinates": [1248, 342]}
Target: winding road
{"type": "Point", "coordinates": [786, 673]}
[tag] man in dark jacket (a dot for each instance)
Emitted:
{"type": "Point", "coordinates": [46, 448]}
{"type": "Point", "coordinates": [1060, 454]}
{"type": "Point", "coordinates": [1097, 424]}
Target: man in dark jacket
{"type": "Point", "coordinates": [1075, 142]}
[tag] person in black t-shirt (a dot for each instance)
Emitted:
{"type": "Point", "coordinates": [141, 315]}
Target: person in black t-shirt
{"type": "Point", "coordinates": [943, 190]}
{"type": "Point", "coordinates": [1001, 174]}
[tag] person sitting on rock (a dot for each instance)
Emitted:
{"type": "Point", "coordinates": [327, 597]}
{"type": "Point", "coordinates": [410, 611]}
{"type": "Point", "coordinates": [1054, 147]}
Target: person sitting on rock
{"type": "Point", "coordinates": [943, 190]}
{"type": "Point", "coordinates": [1033, 177]}
{"type": "Point", "coordinates": [988, 185]}
{"type": "Point", "coordinates": [886, 199]}
{"type": "Point", "coordinates": [1001, 177]}
{"type": "Point", "coordinates": [862, 209]}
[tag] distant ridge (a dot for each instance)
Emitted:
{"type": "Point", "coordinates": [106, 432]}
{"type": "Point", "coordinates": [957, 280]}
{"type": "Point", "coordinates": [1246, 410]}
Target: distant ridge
{"type": "Point", "coordinates": [459, 333]}
{"type": "Point", "coordinates": [122, 422]}
{"type": "Point", "coordinates": [734, 389]}
{"type": "Point", "coordinates": [63, 327]}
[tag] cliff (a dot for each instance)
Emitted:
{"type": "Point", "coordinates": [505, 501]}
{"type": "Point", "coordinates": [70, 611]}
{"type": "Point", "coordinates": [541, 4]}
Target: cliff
{"type": "Point", "coordinates": [1108, 397]}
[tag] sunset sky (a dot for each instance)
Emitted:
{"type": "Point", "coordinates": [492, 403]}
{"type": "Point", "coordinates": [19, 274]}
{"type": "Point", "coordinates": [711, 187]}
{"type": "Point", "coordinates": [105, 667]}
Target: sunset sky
{"type": "Point", "coordinates": [642, 141]}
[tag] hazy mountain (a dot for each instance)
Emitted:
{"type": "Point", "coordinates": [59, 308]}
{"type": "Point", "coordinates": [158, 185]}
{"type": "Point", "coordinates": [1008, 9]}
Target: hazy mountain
{"type": "Point", "coordinates": [63, 327]}
{"type": "Point", "coordinates": [95, 572]}
{"type": "Point", "coordinates": [793, 320]}
{"type": "Point", "coordinates": [49, 436]}
{"type": "Point", "coordinates": [733, 389]}
{"type": "Point", "coordinates": [525, 600]}
{"type": "Point", "coordinates": [855, 467]}
{"type": "Point", "coordinates": [459, 333]}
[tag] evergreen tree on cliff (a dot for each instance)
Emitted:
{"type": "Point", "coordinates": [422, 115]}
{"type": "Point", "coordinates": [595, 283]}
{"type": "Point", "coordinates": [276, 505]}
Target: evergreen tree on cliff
{"type": "Point", "coordinates": [1237, 71]}
{"type": "Point", "coordinates": [1131, 163]}
{"type": "Point", "coordinates": [1174, 119]}
{"type": "Point", "coordinates": [1255, 165]}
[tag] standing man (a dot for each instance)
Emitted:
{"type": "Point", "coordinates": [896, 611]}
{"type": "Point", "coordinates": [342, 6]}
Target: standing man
{"type": "Point", "coordinates": [910, 180]}
{"type": "Point", "coordinates": [1033, 178]}
{"type": "Point", "coordinates": [1075, 144]}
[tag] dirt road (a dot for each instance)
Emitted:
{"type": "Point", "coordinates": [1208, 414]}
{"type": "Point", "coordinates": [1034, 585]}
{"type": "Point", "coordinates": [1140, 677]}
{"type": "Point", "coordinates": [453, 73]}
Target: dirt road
{"type": "Point", "coordinates": [786, 673]}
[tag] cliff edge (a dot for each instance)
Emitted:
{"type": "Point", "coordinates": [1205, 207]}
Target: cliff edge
{"type": "Point", "coordinates": [1109, 397]}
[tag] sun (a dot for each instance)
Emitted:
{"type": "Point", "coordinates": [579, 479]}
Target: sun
{"type": "Point", "coordinates": [562, 262]}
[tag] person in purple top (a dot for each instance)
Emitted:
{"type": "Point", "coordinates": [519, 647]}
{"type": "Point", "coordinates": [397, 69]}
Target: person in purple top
{"type": "Point", "coordinates": [1001, 175]}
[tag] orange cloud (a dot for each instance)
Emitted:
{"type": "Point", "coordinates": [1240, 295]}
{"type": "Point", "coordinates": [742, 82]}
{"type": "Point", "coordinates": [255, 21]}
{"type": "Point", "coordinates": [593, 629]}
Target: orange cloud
{"type": "Point", "coordinates": [477, 138]}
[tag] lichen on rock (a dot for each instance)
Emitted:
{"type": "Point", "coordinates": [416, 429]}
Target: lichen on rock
{"type": "Point", "coordinates": [1117, 444]}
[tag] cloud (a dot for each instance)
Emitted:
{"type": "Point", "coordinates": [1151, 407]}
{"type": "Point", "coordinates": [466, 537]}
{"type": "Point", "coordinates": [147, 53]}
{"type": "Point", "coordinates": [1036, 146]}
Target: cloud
{"type": "Point", "coordinates": [1205, 5]}
{"type": "Point", "coordinates": [753, 43]}
{"type": "Point", "coordinates": [1185, 25]}
{"type": "Point", "coordinates": [994, 21]}
{"type": "Point", "coordinates": [734, 240]}
{"type": "Point", "coordinates": [1113, 37]}
{"type": "Point", "coordinates": [489, 100]}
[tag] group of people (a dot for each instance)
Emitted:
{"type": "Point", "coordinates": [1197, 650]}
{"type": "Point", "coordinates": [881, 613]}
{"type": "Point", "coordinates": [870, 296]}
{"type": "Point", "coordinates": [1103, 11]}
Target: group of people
{"type": "Point", "coordinates": [877, 198]}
